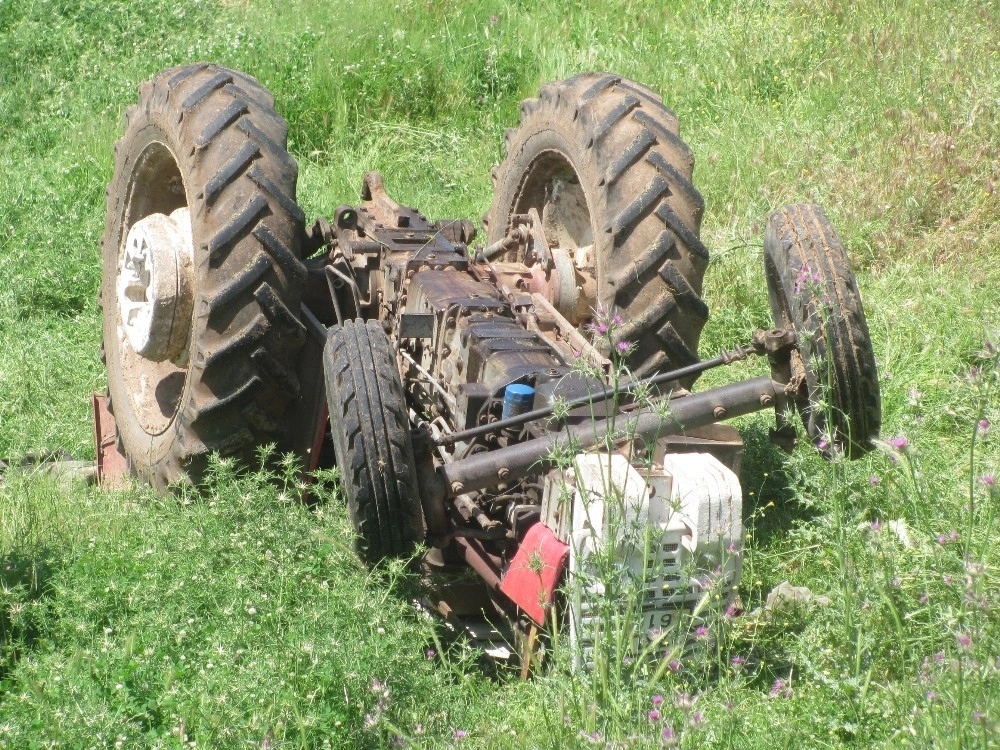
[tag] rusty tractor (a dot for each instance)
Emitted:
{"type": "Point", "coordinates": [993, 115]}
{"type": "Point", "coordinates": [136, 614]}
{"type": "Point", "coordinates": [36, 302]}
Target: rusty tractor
{"type": "Point", "coordinates": [455, 384]}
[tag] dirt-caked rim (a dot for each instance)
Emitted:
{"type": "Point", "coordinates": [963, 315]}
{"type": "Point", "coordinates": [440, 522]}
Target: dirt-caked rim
{"type": "Point", "coordinates": [155, 191]}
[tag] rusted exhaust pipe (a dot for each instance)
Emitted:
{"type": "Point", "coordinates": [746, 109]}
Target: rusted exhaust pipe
{"type": "Point", "coordinates": [485, 470]}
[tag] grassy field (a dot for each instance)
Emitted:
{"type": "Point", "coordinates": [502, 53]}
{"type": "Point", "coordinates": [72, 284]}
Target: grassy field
{"type": "Point", "coordinates": [241, 619]}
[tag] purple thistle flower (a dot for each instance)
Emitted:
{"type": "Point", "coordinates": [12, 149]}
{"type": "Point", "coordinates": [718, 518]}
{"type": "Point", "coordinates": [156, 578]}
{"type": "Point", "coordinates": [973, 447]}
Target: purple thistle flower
{"type": "Point", "coordinates": [656, 700]}
{"type": "Point", "coordinates": [823, 444]}
{"type": "Point", "coordinates": [777, 687]}
{"type": "Point", "coordinates": [654, 715]}
{"type": "Point", "coordinates": [984, 425]}
{"type": "Point", "coordinates": [899, 443]}
{"type": "Point", "coordinates": [953, 535]}
{"type": "Point", "coordinates": [617, 320]}
{"type": "Point", "coordinates": [931, 695]}
{"type": "Point", "coordinates": [494, 20]}
{"type": "Point", "coordinates": [964, 641]}
{"type": "Point", "coordinates": [674, 665]}
{"type": "Point", "coordinates": [459, 734]}
{"type": "Point", "coordinates": [701, 631]}
{"type": "Point", "coordinates": [874, 480]}
{"type": "Point", "coordinates": [623, 346]}
{"type": "Point", "coordinates": [876, 526]}
{"type": "Point", "coordinates": [696, 718]}
{"type": "Point", "coordinates": [669, 737]}
{"type": "Point", "coordinates": [430, 653]}
{"type": "Point", "coordinates": [942, 539]}
{"type": "Point", "coordinates": [738, 661]}
{"type": "Point", "coordinates": [897, 582]}
{"type": "Point", "coordinates": [989, 480]}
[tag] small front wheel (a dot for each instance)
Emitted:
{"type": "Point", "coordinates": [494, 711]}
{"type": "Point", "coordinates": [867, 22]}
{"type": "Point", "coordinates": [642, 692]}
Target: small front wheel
{"type": "Point", "coordinates": [371, 439]}
{"type": "Point", "coordinates": [813, 290]}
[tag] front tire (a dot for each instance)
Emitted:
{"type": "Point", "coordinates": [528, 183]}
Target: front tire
{"type": "Point", "coordinates": [812, 289]}
{"type": "Point", "coordinates": [371, 439]}
{"type": "Point", "coordinates": [204, 144]}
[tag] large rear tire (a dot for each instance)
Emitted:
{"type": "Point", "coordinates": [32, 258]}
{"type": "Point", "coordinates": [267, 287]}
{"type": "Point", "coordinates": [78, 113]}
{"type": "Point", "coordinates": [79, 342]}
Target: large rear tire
{"type": "Point", "coordinates": [812, 288]}
{"type": "Point", "coordinates": [600, 159]}
{"type": "Point", "coordinates": [203, 157]}
{"type": "Point", "coordinates": [371, 439]}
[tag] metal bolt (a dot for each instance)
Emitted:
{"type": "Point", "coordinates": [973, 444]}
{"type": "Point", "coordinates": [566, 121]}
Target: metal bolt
{"type": "Point", "coordinates": [409, 274]}
{"type": "Point", "coordinates": [719, 412]}
{"type": "Point", "coordinates": [765, 399]}
{"type": "Point", "coordinates": [457, 487]}
{"type": "Point", "coordinates": [503, 472]}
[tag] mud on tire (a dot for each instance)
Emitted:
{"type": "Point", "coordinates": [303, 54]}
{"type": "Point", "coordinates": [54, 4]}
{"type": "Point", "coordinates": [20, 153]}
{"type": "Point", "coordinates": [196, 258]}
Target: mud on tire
{"type": "Point", "coordinates": [208, 139]}
{"type": "Point", "coordinates": [371, 439]}
{"type": "Point", "coordinates": [606, 153]}
{"type": "Point", "coordinates": [812, 288]}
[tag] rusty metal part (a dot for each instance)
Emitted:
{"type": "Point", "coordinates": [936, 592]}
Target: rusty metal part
{"type": "Point", "coordinates": [479, 471]}
{"type": "Point", "coordinates": [429, 485]}
{"type": "Point", "coordinates": [626, 389]}
{"type": "Point", "coordinates": [577, 341]}
{"type": "Point", "coordinates": [488, 566]}
{"type": "Point", "coordinates": [112, 466]}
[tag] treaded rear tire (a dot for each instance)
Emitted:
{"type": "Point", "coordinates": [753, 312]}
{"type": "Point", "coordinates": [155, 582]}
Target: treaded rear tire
{"type": "Point", "coordinates": [621, 144]}
{"type": "Point", "coordinates": [208, 138]}
{"type": "Point", "coordinates": [800, 241]}
{"type": "Point", "coordinates": [371, 439]}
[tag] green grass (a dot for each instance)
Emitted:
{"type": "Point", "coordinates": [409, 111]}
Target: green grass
{"type": "Point", "coordinates": [114, 604]}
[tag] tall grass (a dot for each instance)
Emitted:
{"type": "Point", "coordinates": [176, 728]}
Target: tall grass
{"type": "Point", "coordinates": [884, 113]}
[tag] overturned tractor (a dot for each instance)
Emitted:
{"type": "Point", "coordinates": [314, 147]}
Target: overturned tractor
{"type": "Point", "coordinates": [458, 386]}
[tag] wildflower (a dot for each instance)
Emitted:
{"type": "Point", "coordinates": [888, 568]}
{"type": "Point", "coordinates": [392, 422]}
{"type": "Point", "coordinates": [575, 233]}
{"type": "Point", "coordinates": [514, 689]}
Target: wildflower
{"type": "Point", "coordinates": [494, 20]}
{"type": "Point", "coordinates": [459, 734]}
{"type": "Point", "coordinates": [823, 444]}
{"type": "Point", "coordinates": [674, 665]}
{"type": "Point", "coordinates": [623, 346]}
{"type": "Point", "coordinates": [701, 631]}
{"type": "Point", "coordinates": [931, 695]}
{"type": "Point", "coordinates": [899, 443]}
{"type": "Point", "coordinates": [897, 582]}
{"type": "Point", "coordinates": [738, 661]}
{"type": "Point", "coordinates": [873, 479]}
{"type": "Point", "coordinates": [777, 687]}
{"type": "Point", "coordinates": [430, 653]}
{"type": "Point", "coordinates": [923, 599]}
{"type": "Point", "coordinates": [654, 715]}
{"type": "Point", "coordinates": [685, 702]}
{"type": "Point", "coordinates": [977, 715]}
{"type": "Point", "coordinates": [942, 539]}
{"type": "Point", "coordinates": [989, 480]}
{"type": "Point", "coordinates": [984, 425]}
{"type": "Point", "coordinates": [876, 526]}
{"type": "Point", "coordinates": [696, 719]}
{"type": "Point", "coordinates": [669, 737]}
{"type": "Point", "coordinates": [656, 700]}
{"type": "Point", "coordinates": [617, 320]}
{"type": "Point", "coordinates": [731, 611]}
{"type": "Point", "coordinates": [964, 641]}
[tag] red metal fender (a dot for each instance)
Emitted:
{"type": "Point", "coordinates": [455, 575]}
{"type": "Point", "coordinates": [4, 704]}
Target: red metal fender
{"type": "Point", "coordinates": [531, 579]}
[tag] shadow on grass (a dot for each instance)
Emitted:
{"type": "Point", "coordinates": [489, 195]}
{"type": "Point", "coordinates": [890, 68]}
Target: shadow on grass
{"type": "Point", "coordinates": [23, 586]}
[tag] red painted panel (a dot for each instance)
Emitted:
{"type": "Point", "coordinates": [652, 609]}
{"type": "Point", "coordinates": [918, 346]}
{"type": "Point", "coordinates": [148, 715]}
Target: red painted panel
{"type": "Point", "coordinates": [533, 575]}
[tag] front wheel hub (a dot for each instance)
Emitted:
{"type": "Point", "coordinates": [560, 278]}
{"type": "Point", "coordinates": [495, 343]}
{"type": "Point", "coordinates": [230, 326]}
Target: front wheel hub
{"type": "Point", "coordinates": [156, 286]}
